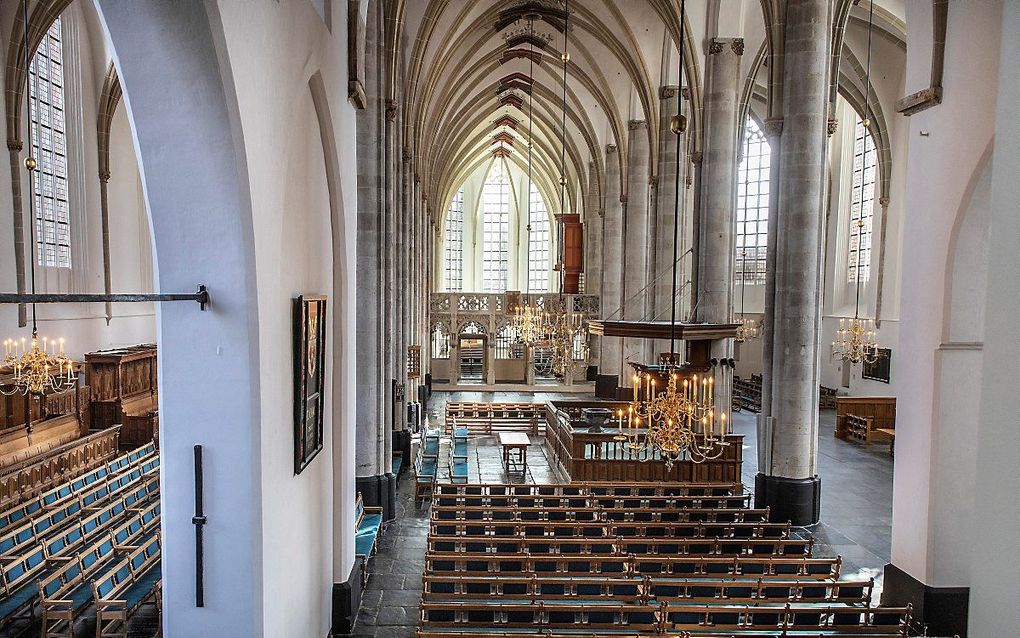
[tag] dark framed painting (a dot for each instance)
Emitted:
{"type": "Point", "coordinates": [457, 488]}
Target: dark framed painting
{"type": "Point", "coordinates": [879, 370]}
{"type": "Point", "coordinates": [309, 377]}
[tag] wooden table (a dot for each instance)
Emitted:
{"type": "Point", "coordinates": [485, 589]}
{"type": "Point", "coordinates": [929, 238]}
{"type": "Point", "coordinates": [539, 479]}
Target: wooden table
{"type": "Point", "coordinates": [891, 433]}
{"type": "Point", "coordinates": [511, 442]}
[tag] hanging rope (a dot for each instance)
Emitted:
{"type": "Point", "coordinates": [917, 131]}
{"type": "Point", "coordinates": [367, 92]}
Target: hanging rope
{"type": "Point", "coordinates": [30, 162]}
{"type": "Point", "coordinates": [565, 57]}
{"type": "Point", "coordinates": [531, 121]}
{"type": "Point", "coordinates": [678, 129]}
{"type": "Point", "coordinates": [864, 163]}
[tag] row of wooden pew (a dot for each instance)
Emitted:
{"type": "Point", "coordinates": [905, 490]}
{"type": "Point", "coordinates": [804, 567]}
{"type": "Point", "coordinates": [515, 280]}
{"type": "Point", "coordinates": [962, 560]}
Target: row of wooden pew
{"type": "Point", "coordinates": [459, 456]}
{"type": "Point", "coordinates": [631, 560]}
{"type": "Point", "coordinates": [30, 477]}
{"type": "Point", "coordinates": [426, 465]}
{"type": "Point", "coordinates": [93, 541]}
{"type": "Point", "coordinates": [486, 418]}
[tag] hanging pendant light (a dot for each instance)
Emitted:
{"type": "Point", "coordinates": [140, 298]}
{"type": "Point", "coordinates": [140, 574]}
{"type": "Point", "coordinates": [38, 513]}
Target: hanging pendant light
{"type": "Point", "coordinates": [529, 322]}
{"type": "Point", "coordinates": [37, 365]}
{"type": "Point", "coordinates": [678, 421]}
{"type": "Point", "coordinates": [856, 339]}
{"type": "Point", "coordinates": [567, 350]}
{"type": "Point", "coordinates": [749, 327]}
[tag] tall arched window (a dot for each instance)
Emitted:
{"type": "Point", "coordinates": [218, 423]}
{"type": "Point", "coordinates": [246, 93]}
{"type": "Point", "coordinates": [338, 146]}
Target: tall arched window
{"type": "Point", "coordinates": [862, 204]}
{"type": "Point", "coordinates": [753, 205]}
{"type": "Point", "coordinates": [495, 229]}
{"type": "Point", "coordinates": [453, 253]}
{"type": "Point", "coordinates": [49, 147]}
{"type": "Point", "coordinates": [538, 245]}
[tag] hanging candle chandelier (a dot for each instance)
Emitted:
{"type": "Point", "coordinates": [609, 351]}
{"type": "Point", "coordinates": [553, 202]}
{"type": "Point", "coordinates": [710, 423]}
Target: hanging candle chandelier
{"type": "Point", "coordinates": [749, 327]}
{"type": "Point", "coordinates": [678, 421]}
{"type": "Point", "coordinates": [528, 320]}
{"type": "Point", "coordinates": [856, 340]}
{"type": "Point", "coordinates": [37, 365]}
{"type": "Point", "coordinates": [566, 343]}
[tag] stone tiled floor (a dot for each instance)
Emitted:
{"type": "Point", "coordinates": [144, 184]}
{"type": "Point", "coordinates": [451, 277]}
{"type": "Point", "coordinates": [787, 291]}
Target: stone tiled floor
{"type": "Point", "coordinates": [856, 511]}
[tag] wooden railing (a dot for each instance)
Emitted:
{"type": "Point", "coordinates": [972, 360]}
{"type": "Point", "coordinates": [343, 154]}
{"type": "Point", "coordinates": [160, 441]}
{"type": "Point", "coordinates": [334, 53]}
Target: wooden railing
{"type": "Point", "coordinates": [38, 474]}
{"type": "Point", "coordinates": [589, 456]}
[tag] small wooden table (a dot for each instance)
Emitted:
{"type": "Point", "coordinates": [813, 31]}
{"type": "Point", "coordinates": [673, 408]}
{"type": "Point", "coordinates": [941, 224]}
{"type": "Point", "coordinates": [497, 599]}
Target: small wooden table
{"type": "Point", "coordinates": [511, 442]}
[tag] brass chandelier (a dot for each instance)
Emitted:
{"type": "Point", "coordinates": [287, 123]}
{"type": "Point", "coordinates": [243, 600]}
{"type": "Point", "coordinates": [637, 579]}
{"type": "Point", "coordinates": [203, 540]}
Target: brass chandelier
{"type": "Point", "coordinates": [566, 345]}
{"type": "Point", "coordinates": [856, 339]}
{"type": "Point", "coordinates": [679, 421]}
{"type": "Point", "coordinates": [749, 328]}
{"type": "Point", "coordinates": [38, 366]}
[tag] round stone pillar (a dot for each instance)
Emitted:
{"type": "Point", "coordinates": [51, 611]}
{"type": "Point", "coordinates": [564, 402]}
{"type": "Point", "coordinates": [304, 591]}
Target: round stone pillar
{"type": "Point", "coordinates": [787, 481]}
{"type": "Point", "coordinates": [719, 201]}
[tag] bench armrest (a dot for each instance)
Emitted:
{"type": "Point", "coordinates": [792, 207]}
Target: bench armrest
{"type": "Point", "coordinates": [110, 603]}
{"type": "Point", "coordinates": [373, 510]}
{"type": "Point", "coordinates": [56, 601]}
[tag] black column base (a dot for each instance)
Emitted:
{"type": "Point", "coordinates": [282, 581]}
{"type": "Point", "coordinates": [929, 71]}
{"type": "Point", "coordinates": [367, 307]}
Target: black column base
{"type": "Point", "coordinates": [346, 602]}
{"type": "Point", "coordinates": [796, 500]}
{"type": "Point", "coordinates": [390, 484]}
{"type": "Point", "coordinates": [942, 609]}
{"type": "Point", "coordinates": [375, 491]}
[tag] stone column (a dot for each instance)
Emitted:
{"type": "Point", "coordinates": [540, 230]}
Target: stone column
{"type": "Point", "coordinates": [635, 298]}
{"type": "Point", "coordinates": [370, 281]}
{"type": "Point", "coordinates": [593, 232]}
{"type": "Point", "coordinates": [718, 202]}
{"type": "Point", "coordinates": [593, 219]}
{"type": "Point", "coordinates": [788, 482]}
{"type": "Point", "coordinates": [612, 262]}
{"type": "Point", "coordinates": [390, 343]}
{"type": "Point", "coordinates": [660, 275]}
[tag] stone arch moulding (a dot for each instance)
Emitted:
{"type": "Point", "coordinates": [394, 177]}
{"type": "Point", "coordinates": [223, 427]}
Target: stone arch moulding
{"type": "Point", "coordinates": [202, 230]}
{"type": "Point", "coordinates": [39, 20]}
{"type": "Point", "coordinates": [343, 361]}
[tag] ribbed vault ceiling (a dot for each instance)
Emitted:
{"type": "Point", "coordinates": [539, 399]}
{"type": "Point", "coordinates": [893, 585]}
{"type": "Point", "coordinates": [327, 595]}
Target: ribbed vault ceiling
{"type": "Point", "coordinates": [467, 91]}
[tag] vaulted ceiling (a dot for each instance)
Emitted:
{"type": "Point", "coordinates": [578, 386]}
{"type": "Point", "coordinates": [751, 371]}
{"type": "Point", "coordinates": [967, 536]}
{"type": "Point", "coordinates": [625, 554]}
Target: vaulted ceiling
{"type": "Point", "coordinates": [483, 75]}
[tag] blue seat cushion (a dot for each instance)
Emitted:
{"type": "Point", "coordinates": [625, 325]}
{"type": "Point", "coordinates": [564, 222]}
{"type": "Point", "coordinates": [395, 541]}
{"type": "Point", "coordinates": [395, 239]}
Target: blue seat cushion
{"type": "Point", "coordinates": [14, 602]}
{"type": "Point", "coordinates": [460, 467]}
{"type": "Point", "coordinates": [398, 461]}
{"type": "Point", "coordinates": [428, 467]}
{"type": "Point", "coordinates": [141, 587]}
{"type": "Point", "coordinates": [460, 433]}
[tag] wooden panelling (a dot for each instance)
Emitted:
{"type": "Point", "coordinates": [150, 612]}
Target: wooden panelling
{"type": "Point", "coordinates": [878, 412]}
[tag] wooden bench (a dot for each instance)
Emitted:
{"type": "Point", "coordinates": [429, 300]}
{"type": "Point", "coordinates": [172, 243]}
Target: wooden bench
{"type": "Point", "coordinates": [645, 589]}
{"type": "Point", "coordinates": [33, 476]}
{"type": "Point", "coordinates": [579, 546]}
{"type": "Point", "coordinates": [765, 567]}
{"type": "Point", "coordinates": [368, 524]}
{"type": "Point", "coordinates": [655, 619]}
{"type": "Point", "coordinates": [67, 592]}
{"type": "Point", "coordinates": [426, 466]}
{"type": "Point", "coordinates": [486, 418]}
{"type": "Point", "coordinates": [397, 462]}
{"type": "Point", "coordinates": [608, 529]}
{"type": "Point", "coordinates": [597, 513]}
{"type": "Point", "coordinates": [620, 490]}
{"type": "Point", "coordinates": [126, 587]}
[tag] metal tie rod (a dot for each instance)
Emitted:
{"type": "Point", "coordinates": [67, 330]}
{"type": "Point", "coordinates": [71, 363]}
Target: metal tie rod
{"type": "Point", "coordinates": [201, 296]}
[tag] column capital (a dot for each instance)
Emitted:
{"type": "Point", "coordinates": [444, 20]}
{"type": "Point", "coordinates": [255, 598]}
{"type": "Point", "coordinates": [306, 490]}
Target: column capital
{"type": "Point", "coordinates": [610, 148]}
{"type": "Point", "coordinates": [636, 124]}
{"type": "Point", "coordinates": [883, 201]}
{"type": "Point", "coordinates": [391, 110]}
{"type": "Point", "coordinates": [406, 155]}
{"type": "Point", "coordinates": [718, 45]}
{"type": "Point", "coordinates": [773, 126]}
{"type": "Point", "coordinates": [653, 181]}
{"type": "Point", "coordinates": [14, 145]}
{"type": "Point", "coordinates": [696, 157]}
{"type": "Point", "coordinates": [104, 176]}
{"type": "Point", "coordinates": [831, 125]}
{"type": "Point", "coordinates": [667, 92]}
{"type": "Point", "coordinates": [602, 212]}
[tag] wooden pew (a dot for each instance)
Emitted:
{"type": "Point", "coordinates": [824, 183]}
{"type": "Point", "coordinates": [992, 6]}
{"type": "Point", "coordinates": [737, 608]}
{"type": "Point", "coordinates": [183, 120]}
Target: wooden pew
{"type": "Point", "coordinates": [766, 567]}
{"type": "Point", "coordinates": [486, 418]}
{"type": "Point", "coordinates": [125, 587]}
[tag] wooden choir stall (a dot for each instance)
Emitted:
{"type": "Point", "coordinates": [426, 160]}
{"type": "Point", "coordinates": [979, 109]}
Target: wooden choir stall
{"type": "Point", "coordinates": [125, 391]}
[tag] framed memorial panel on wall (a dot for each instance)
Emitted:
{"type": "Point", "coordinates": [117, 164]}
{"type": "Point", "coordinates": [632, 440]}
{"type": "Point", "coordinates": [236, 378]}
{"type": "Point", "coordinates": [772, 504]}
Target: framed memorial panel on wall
{"type": "Point", "coordinates": [309, 377]}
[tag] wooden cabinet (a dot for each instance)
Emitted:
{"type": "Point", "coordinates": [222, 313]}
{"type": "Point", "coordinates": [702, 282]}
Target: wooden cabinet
{"type": "Point", "coordinates": [861, 418]}
{"type": "Point", "coordinates": [125, 391]}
